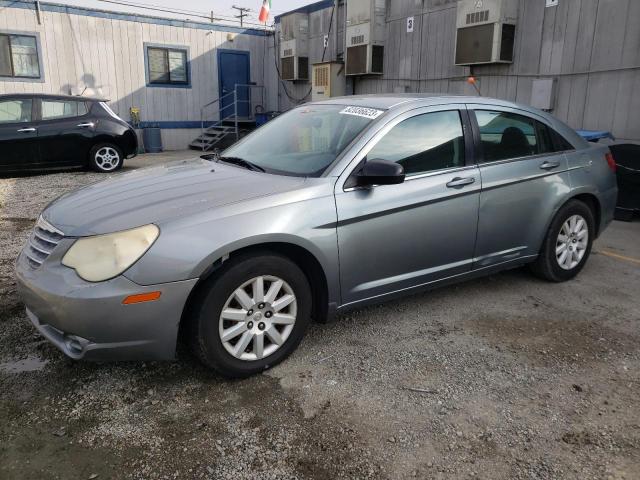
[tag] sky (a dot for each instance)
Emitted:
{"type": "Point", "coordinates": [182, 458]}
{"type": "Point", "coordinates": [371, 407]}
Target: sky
{"type": "Point", "coordinates": [198, 7]}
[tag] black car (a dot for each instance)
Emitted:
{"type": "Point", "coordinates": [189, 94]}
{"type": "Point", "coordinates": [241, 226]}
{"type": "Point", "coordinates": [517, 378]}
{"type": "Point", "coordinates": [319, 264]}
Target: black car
{"type": "Point", "coordinates": [60, 131]}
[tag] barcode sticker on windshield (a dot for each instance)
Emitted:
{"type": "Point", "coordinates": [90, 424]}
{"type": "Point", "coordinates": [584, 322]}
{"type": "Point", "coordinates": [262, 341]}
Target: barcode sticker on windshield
{"type": "Point", "coordinates": [362, 112]}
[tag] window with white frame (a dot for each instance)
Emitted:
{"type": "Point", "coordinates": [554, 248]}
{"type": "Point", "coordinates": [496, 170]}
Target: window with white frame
{"type": "Point", "coordinates": [167, 66]}
{"type": "Point", "coordinates": [19, 56]}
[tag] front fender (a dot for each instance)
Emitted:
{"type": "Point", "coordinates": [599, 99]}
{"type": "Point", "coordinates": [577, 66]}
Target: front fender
{"type": "Point", "coordinates": [187, 249]}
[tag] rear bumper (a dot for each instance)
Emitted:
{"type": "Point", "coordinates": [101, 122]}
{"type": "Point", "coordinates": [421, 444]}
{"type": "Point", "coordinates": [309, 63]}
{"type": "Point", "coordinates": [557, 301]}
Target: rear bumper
{"type": "Point", "coordinates": [88, 320]}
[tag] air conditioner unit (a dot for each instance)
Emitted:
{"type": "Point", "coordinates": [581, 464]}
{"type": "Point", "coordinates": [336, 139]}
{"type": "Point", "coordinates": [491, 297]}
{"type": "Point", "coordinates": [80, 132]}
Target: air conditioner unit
{"type": "Point", "coordinates": [294, 47]}
{"type": "Point", "coordinates": [485, 31]}
{"type": "Point", "coordinates": [365, 37]}
{"type": "Point", "coordinates": [327, 80]}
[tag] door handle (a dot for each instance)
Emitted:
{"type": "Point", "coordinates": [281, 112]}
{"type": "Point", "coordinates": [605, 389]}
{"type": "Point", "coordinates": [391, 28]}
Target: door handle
{"type": "Point", "coordinates": [549, 165]}
{"type": "Point", "coordinates": [460, 182]}
{"type": "Point", "coordinates": [86, 125]}
{"type": "Point", "coordinates": [26, 130]}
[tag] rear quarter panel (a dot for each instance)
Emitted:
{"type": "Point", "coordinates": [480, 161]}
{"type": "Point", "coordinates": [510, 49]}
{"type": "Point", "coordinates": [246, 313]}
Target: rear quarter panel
{"type": "Point", "coordinates": [590, 173]}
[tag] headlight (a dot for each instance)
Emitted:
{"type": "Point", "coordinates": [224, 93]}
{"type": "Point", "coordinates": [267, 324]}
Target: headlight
{"type": "Point", "coordinates": [106, 256]}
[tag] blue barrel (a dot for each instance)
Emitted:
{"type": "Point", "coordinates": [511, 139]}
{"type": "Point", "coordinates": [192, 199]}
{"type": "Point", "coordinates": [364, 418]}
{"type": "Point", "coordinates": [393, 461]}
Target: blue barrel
{"type": "Point", "coordinates": [264, 117]}
{"type": "Point", "coordinates": [152, 140]}
{"type": "Point", "coordinates": [261, 118]}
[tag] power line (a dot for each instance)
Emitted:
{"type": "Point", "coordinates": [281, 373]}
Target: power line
{"type": "Point", "coordinates": [242, 14]}
{"type": "Point", "coordinates": [210, 16]}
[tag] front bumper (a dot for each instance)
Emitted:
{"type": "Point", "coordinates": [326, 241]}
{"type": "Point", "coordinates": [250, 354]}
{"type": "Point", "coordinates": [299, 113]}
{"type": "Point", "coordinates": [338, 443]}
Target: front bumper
{"type": "Point", "coordinates": [88, 320]}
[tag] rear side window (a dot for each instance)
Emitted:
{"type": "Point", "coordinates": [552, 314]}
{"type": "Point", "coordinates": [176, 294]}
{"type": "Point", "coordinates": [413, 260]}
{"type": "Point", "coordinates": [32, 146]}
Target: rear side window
{"type": "Point", "coordinates": [427, 142]}
{"type": "Point", "coordinates": [506, 135]}
{"type": "Point", "coordinates": [52, 109]}
{"type": "Point", "coordinates": [560, 144]}
{"type": "Point", "coordinates": [15, 111]}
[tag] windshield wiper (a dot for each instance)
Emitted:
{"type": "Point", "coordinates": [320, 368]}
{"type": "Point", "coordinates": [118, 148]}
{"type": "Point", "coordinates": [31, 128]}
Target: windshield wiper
{"type": "Point", "coordinates": [241, 162]}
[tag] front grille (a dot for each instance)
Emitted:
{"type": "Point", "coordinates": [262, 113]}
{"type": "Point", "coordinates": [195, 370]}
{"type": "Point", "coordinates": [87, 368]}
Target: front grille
{"type": "Point", "coordinates": [43, 240]}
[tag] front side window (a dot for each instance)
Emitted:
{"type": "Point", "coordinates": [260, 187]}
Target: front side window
{"type": "Point", "coordinates": [19, 56]}
{"type": "Point", "coordinates": [305, 140]}
{"type": "Point", "coordinates": [167, 66]}
{"type": "Point", "coordinates": [424, 143]}
{"type": "Point", "coordinates": [52, 109]}
{"type": "Point", "coordinates": [506, 135]}
{"type": "Point", "coordinates": [15, 111]}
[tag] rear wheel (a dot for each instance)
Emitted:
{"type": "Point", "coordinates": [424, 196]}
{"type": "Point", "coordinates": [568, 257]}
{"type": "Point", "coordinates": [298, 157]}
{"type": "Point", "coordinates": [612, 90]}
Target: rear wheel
{"type": "Point", "coordinates": [568, 243]}
{"type": "Point", "coordinates": [251, 316]}
{"type": "Point", "coordinates": [105, 157]}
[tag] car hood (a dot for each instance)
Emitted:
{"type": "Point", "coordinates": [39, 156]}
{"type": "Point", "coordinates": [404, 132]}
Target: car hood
{"type": "Point", "coordinates": [161, 193]}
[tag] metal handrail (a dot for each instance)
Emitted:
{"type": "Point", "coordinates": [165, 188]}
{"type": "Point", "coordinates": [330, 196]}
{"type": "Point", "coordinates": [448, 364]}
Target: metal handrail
{"type": "Point", "coordinates": [219, 110]}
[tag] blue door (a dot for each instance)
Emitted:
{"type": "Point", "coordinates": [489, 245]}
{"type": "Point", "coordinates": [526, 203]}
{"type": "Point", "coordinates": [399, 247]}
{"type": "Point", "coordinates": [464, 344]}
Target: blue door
{"type": "Point", "coordinates": [233, 69]}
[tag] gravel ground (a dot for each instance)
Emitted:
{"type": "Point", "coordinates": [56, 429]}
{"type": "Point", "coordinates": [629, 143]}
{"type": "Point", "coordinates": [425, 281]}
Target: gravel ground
{"type": "Point", "coordinates": [506, 377]}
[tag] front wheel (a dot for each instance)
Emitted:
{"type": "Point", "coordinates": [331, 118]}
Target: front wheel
{"type": "Point", "coordinates": [568, 243]}
{"type": "Point", "coordinates": [251, 316]}
{"type": "Point", "coordinates": [105, 158]}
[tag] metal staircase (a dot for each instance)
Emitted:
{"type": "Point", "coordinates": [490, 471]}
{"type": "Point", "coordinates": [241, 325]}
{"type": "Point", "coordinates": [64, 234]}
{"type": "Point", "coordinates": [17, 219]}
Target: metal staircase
{"type": "Point", "coordinates": [214, 132]}
{"type": "Point", "coordinates": [212, 136]}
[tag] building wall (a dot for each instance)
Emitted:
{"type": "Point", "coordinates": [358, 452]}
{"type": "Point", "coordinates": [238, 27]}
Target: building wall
{"type": "Point", "coordinates": [592, 48]}
{"type": "Point", "coordinates": [102, 53]}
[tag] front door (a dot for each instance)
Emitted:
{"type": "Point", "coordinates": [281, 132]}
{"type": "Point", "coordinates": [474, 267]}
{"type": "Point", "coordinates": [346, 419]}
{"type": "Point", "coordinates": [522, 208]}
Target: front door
{"type": "Point", "coordinates": [395, 237]}
{"type": "Point", "coordinates": [65, 132]}
{"type": "Point", "coordinates": [522, 180]}
{"type": "Point", "coordinates": [233, 69]}
{"type": "Point", "coordinates": [18, 135]}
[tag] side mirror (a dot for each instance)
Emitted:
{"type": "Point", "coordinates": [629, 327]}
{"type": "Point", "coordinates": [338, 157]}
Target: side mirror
{"type": "Point", "coordinates": [379, 172]}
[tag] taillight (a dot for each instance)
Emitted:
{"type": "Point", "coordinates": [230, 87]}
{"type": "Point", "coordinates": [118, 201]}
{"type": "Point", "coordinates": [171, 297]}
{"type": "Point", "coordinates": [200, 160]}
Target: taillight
{"type": "Point", "coordinates": [610, 161]}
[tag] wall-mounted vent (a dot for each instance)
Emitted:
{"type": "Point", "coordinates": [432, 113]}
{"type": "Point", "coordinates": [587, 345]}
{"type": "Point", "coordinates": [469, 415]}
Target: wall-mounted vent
{"type": "Point", "coordinates": [357, 60]}
{"type": "Point", "coordinates": [321, 76]}
{"type": "Point", "coordinates": [477, 17]}
{"type": "Point", "coordinates": [288, 52]}
{"type": "Point", "coordinates": [366, 34]}
{"type": "Point", "coordinates": [303, 68]}
{"type": "Point", "coordinates": [377, 58]}
{"type": "Point", "coordinates": [486, 31]}
{"type": "Point", "coordinates": [288, 68]}
{"type": "Point", "coordinates": [328, 81]}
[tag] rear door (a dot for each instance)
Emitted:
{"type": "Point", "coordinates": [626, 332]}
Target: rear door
{"type": "Point", "coordinates": [18, 134]}
{"type": "Point", "coordinates": [65, 131]}
{"type": "Point", "coordinates": [523, 180]}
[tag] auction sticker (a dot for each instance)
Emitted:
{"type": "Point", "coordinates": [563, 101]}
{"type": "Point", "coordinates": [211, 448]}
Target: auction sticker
{"type": "Point", "coordinates": [362, 112]}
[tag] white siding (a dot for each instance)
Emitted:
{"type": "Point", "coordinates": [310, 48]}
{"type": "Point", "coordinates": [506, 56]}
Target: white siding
{"type": "Point", "coordinates": [105, 56]}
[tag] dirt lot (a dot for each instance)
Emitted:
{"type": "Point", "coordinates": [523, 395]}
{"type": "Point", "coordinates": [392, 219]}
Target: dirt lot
{"type": "Point", "coordinates": [505, 377]}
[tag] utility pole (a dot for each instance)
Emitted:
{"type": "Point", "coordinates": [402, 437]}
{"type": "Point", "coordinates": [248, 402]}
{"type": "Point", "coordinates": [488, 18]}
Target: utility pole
{"type": "Point", "coordinates": [244, 12]}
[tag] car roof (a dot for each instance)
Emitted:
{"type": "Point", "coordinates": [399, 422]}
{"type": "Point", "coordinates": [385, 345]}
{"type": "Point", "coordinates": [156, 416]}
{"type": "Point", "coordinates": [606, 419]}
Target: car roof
{"type": "Point", "coordinates": [52, 96]}
{"type": "Point", "coordinates": [392, 100]}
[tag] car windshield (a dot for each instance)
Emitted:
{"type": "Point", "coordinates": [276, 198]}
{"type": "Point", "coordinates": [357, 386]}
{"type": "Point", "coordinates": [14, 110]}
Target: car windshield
{"type": "Point", "coordinates": [303, 141]}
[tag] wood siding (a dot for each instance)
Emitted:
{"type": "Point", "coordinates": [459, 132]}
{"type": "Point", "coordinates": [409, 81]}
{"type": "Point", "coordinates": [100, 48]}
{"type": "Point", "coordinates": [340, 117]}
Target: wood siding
{"type": "Point", "coordinates": [592, 48]}
{"type": "Point", "coordinates": [105, 56]}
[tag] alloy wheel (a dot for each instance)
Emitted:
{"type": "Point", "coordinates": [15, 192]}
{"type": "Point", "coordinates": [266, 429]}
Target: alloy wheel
{"type": "Point", "coordinates": [572, 242]}
{"type": "Point", "coordinates": [107, 159]}
{"type": "Point", "coordinates": [257, 318]}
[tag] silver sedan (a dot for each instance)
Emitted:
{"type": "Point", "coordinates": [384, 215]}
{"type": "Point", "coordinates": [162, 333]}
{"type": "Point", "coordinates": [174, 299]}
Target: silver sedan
{"type": "Point", "coordinates": [331, 206]}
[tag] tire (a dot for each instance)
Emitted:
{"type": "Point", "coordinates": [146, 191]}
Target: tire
{"type": "Point", "coordinates": [548, 265]}
{"type": "Point", "coordinates": [207, 323]}
{"type": "Point", "coordinates": [106, 158]}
